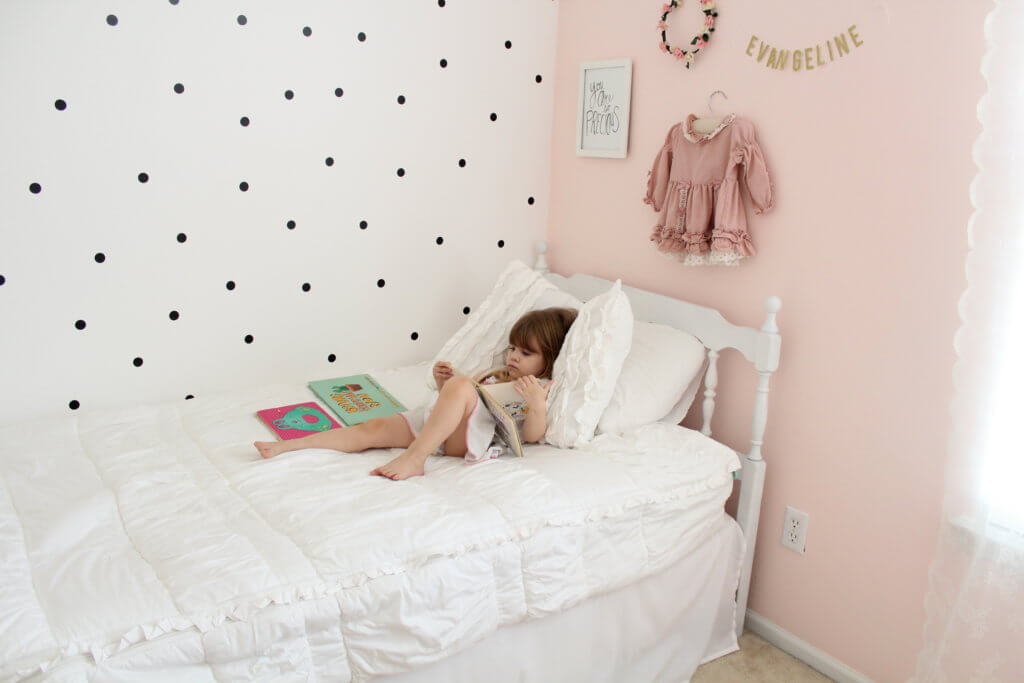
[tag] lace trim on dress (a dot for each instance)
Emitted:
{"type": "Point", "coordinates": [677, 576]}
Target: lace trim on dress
{"type": "Point", "coordinates": [694, 136]}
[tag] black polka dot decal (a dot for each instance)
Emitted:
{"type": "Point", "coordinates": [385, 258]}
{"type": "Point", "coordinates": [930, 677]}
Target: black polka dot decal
{"type": "Point", "coordinates": [186, 229]}
{"type": "Point", "coordinates": [189, 397]}
{"type": "Point", "coordinates": [530, 201]}
{"type": "Point", "coordinates": [3, 280]}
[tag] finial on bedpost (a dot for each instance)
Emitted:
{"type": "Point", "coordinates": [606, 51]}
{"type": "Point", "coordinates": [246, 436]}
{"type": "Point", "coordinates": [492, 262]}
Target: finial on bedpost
{"type": "Point", "coordinates": [541, 263]}
{"type": "Point", "coordinates": [771, 306]}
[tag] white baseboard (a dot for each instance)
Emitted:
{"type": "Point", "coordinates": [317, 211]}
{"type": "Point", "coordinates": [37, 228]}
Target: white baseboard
{"type": "Point", "coordinates": [805, 652]}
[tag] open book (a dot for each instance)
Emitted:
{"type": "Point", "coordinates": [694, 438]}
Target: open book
{"type": "Point", "coordinates": [495, 397]}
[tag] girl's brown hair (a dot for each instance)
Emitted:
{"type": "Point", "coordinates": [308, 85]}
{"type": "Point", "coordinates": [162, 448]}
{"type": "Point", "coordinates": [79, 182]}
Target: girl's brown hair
{"type": "Point", "coordinates": [543, 331]}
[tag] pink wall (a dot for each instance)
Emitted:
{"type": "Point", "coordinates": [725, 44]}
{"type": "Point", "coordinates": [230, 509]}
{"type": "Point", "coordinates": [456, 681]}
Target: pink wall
{"type": "Point", "coordinates": [871, 157]}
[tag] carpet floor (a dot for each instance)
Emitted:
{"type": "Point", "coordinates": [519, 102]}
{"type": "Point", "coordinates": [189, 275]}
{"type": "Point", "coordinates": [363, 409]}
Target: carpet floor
{"type": "Point", "coordinates": [757, 662]}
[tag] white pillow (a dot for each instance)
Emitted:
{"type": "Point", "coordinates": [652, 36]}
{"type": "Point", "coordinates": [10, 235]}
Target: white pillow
{"type": "Point", "coordinates": [658, 374]}
{"type": "Point", "coordinates": [587, 368]}
{"type": "Point", "coordinates": [481, 341]}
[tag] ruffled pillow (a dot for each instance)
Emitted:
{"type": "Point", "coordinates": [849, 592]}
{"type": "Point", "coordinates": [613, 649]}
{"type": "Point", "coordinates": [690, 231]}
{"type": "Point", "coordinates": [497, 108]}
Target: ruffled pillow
{"type": "Point", "coordinates": [588, 367]}
{"type": "Point", "coordinates": [481, 341]}
{"type": "Point", "coordinates": [662, 368]}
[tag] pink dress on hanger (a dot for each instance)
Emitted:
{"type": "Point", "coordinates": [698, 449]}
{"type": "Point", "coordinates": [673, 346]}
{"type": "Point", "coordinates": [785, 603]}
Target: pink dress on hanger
{"type": "Point", "coordinates": [694, 184]}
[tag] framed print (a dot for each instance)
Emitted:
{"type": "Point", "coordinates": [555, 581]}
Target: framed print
{"type": "Point", "coordinates": [602, 115]}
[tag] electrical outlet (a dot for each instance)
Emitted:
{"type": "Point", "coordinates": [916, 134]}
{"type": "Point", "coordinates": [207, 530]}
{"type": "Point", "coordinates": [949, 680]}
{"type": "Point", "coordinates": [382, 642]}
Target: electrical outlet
{"type": "Point", "coordinates": [794, 529]}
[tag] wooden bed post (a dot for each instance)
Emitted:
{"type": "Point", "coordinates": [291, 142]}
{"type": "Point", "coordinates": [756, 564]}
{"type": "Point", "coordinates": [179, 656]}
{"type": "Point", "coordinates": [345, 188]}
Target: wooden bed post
{"type": "Point", "coordinates": [752, 486]}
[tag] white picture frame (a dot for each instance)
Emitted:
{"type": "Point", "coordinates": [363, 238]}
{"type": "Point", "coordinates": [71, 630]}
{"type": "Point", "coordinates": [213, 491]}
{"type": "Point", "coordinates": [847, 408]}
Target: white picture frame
{"type": "Point", "coordinates": [602, 112]}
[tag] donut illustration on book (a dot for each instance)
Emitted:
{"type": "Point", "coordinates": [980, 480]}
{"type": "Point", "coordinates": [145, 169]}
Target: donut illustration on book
{"type": "Point", "coordinates": [297, 420]}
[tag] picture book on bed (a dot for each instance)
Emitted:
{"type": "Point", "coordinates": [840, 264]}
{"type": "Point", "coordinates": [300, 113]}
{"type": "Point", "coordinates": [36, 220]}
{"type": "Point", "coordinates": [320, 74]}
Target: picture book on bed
{"type": "Point", "coordinates": [356, 398]}
{"type": "Point", "coordinates": [297, 420]}
{"type": "Point", "coordinates": [501, 401]}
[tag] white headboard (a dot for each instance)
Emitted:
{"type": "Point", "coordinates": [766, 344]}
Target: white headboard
{"type": "Point", "coordinates": [760, 347]}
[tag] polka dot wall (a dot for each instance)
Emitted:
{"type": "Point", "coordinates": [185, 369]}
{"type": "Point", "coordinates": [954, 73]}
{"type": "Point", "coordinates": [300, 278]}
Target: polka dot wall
{"type": "Point", "coordinates": [199, 197]}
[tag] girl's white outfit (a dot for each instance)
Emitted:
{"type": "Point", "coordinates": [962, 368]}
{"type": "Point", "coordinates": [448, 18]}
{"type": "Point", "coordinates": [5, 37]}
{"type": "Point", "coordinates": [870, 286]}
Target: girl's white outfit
{"type": "Point", "coordinates": [481, 442]}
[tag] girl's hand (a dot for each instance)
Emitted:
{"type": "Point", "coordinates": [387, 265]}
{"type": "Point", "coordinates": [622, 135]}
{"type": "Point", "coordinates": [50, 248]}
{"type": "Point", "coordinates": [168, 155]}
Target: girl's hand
{"type": "Point", "coordinates": [533, 391]}
{"type": "Point", "coordinates": [442, 373]}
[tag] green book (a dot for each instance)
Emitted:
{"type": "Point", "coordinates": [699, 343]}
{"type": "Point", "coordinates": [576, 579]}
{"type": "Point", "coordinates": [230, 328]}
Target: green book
{"type": "Point", "coordinates": [356, 398]}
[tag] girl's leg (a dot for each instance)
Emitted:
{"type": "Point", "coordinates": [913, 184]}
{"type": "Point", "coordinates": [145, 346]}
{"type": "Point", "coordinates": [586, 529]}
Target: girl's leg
{"type": "Point", "coordinates": [382, 432]}
{"type": "Point", "coordinates": [451, 412]}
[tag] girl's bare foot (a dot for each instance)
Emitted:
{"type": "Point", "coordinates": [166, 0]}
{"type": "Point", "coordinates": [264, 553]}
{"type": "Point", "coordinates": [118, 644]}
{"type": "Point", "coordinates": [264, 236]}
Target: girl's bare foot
{"type": "Point", "coordinates": [268, 449]}
{"type": "Point", "coordinates": [406, 465]}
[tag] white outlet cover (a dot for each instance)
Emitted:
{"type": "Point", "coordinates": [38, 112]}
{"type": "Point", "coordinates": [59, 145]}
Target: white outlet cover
{"type": "Point", "coordinates": [794, 529]}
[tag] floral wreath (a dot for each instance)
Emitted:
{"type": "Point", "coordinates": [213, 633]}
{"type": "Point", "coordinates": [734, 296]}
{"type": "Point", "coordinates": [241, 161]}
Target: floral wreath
{"type": "Point", "coordinates": [699, 40]}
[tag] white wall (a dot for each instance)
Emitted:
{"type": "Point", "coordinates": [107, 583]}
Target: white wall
{"type": "Point", "coordinates": [123, 117]}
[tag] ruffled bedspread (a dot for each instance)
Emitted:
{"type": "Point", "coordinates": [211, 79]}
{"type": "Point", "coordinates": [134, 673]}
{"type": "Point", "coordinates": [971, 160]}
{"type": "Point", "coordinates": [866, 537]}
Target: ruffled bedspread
{"type": "Point", "coordinates": [155, 539]}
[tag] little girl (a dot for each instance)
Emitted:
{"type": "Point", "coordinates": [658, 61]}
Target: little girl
{"type": "Point", "coordinates": [454, 421]}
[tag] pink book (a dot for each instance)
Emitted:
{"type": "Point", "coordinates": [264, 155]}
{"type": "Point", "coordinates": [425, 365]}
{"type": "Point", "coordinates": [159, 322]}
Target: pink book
{"type": "Point", "coordinates": [297, 420]}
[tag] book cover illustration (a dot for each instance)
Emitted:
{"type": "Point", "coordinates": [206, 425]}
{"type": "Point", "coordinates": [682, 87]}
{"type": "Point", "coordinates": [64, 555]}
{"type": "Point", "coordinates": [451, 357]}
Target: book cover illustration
{"type": "Point", "coordinates": [297, 420]}
{"type": "Point", "coordinates": [504, 404]}
{"type": "Point", "coordinates": [356, 398]}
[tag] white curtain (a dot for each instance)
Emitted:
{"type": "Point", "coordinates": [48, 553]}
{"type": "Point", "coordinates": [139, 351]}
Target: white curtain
{"type": "Point", "coordinates": [974, 629]}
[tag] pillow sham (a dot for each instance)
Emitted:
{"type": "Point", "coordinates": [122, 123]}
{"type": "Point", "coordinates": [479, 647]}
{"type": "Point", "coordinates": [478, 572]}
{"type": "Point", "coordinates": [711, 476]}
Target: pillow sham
{"type": "Point", "coordinates": [588, 367]}
{"type": "Point", "coordinates": [658, 373]}
{"type": "Point", "coordinates": [481, 341]}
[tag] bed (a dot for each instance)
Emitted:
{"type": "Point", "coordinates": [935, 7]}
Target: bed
{"type": "Point", "coordinates": [152, 543]}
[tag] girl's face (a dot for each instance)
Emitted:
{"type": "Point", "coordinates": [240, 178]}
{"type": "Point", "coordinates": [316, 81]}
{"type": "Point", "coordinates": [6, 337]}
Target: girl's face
{"type": "Point", "coordinates": [522, 361]}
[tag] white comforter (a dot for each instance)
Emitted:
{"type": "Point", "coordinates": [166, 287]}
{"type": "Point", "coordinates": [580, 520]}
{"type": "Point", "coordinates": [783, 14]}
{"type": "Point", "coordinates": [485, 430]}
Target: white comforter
{"type": "Point", "coordinates": [155, 540]}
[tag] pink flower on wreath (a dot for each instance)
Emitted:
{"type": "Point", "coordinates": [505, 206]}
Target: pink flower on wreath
{"type": "Point", "coordinates": [678, 52]}
{"type": "Point", "coordinates": [662, 25]}
{"type": "Point", "coordinates": [662, 46]}
{"type": "Point", "coordinates": [709, 21]}
{"type": "Point", "coordinates": [701, 43]}
{"type": "Point", "coordinates": [666, 8]}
